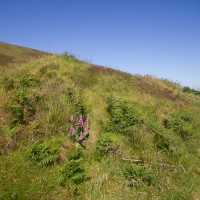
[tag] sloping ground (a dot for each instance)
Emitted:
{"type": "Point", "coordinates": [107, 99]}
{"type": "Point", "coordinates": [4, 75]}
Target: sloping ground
{"type": "Point", "coordinates": [12, 55]}
{"type": "Point", "coordinates": [153, 86]}
{"type": "Point", "coordinates": [143, 143]}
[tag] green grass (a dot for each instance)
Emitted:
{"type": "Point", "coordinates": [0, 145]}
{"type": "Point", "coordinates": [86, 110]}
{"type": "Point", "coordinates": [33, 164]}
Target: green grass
{"type": "Point", "coordinates": [143, 139]}
{"type": "Point", "coordinates": [12, 56]}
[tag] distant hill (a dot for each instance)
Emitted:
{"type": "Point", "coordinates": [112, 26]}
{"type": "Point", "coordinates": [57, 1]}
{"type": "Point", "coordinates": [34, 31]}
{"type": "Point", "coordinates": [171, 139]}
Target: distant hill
{"type": "Point", "coordinates": [14, 55]}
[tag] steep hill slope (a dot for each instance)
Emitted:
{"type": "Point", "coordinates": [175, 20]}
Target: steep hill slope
{"type": "Point", "coordinates": [12, 55]}
{"type": "Point", "coordinates": [143, 141]}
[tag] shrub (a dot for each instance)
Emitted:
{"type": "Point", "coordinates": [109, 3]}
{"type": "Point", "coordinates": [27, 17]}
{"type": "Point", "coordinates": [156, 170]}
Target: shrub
{"type": "Point", "coordinates": [43, 154]}
{"type": "Point", "coordinates": [105, 145]}
{"type": "Point", "coordinates": [122, 116]}
{"type": "Point", "coordinates": [75, 154]}
{"type": "Point", "coordinates": [189, 90]}
{"type": "Point", "coordinates": [178, 124]}
{"type": "Point", "coordinates": [153, 126]}
{"type": "Point", "coordinates": [162, 142]}
{"type": "Point", "coordinates": [29, 81]}
{"type": "Point", "coordinates": [9, 83]}
{"type": "Point", "coordinates": [73, 172]}
{"type": "Point", "coordinates": [17, 112]}
{"type": "Point", "coordinates": [138, 174]}
{"type": "Point", "coordinates": [23, 107]}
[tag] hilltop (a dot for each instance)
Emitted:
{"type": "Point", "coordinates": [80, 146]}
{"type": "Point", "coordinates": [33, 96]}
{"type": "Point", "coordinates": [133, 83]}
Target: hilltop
{"type": "Point", "coordinates": [74, 130]}
{"type": "Point", "coordinates": [12, 55]}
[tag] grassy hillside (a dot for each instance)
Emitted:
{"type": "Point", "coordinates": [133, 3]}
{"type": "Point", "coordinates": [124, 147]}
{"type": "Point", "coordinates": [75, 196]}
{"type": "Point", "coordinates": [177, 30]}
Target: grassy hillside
{"type": "Point", "coordinates": [72, 130]}
{"type": "Point", "coordinates": [13, 55]}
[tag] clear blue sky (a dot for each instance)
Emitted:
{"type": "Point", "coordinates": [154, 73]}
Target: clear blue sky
{"type": "Point", "coordinates": [156, 37]}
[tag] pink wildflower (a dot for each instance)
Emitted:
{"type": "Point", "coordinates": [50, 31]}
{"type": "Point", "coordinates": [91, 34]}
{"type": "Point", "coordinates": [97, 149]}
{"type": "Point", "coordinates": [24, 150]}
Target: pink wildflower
{"type": "Point", "coordinates": [80, 121]}
{"type": "Point", "coordinates": [72, 118]}
{"type": "Point", "coordinates": [72, 131]}
{"type": "Point", "coordinates": [81, 137]}
{"type": "Point", "coordinates": [87, 128]}
{"type": "Point", "coordinates": [88, 119]}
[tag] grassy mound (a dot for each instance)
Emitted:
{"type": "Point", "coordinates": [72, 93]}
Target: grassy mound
{"type": "Point", "coordinates": [73, 130]}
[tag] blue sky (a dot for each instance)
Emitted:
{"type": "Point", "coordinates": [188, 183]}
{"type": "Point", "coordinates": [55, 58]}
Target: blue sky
{"type": "Point", "coordinates": [156, 37]}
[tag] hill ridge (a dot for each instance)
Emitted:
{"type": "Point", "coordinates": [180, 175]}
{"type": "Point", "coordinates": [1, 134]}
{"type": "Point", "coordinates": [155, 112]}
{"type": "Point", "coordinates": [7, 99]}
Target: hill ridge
{"type": "Point", "coordinates": [15, 54]}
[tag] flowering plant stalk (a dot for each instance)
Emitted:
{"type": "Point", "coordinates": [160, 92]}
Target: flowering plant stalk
{"type": "Point", "coordinates": [79, 129]}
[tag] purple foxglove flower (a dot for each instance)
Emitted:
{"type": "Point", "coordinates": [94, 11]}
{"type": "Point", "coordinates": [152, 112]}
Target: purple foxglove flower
{"type": "Point", "coordinates": [87, 128]}
{"type": "Point", "coordinates": [88, 119]}
{"type": "Point", "coordinates": [80, 121]}
{"type": "Point", "coordinates": [72, 131]}
{"type": "Point", "coordinates": [81, 137]}
{"type": "Point", "coordinates": [72, 118]}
